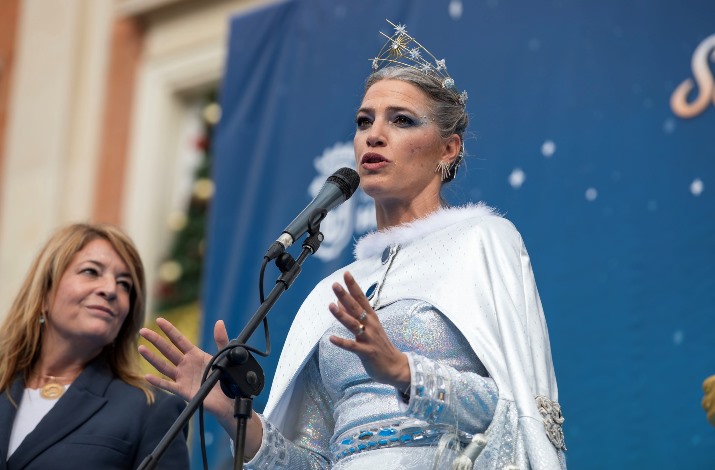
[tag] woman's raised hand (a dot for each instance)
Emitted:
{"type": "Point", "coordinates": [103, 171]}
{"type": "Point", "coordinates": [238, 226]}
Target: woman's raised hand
{"type": "Point", "coordinates": [183, 363]}
{"type": "Point", "coordinates": [381, 359]}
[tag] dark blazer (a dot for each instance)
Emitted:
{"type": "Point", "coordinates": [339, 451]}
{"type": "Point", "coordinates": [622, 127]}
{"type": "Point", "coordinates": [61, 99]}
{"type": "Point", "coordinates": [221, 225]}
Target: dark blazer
{"type": "Point", "coordinates": [99, 423]}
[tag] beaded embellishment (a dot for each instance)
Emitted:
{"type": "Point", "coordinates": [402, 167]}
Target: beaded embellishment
{"type": "Point", "coordinates": [387, 434]}
{"type": "Point", "coordinates": [553, 421]}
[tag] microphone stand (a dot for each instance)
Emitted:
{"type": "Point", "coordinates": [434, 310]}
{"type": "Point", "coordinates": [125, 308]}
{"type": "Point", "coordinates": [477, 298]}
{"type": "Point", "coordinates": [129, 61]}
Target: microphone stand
{"type": "Point", "coordinates": [240, 374]}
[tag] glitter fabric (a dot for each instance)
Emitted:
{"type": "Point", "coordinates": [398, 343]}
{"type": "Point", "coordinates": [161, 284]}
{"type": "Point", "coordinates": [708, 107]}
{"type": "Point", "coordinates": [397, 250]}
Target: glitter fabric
{"type": "Point", "coordinates": [472, 266]}
{"type": "Point", "coordinates": [447, 388]}
{"type": "Point", "coordinates": [345, 412]}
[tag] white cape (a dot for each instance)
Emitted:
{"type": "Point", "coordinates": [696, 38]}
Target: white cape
{"type": "Point", "coordinates": [471, 264]}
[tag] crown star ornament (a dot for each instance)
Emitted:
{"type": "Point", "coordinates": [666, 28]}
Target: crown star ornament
{"type": "Point", "coordinates": [402, 50]}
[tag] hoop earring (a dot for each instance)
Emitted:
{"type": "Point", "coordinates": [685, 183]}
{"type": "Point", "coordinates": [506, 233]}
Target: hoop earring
{"type": "Point", "coordinates": [443, 167]}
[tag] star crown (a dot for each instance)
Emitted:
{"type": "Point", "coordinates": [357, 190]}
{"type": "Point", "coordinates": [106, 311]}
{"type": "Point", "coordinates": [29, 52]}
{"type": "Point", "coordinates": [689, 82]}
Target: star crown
{"type": "Point", "coordinates": [402, 50]}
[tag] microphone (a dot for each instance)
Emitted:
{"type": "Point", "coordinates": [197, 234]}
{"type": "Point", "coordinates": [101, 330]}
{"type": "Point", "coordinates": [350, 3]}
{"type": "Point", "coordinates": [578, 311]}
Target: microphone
{"type": "Point", "coordinates": [337, 189]}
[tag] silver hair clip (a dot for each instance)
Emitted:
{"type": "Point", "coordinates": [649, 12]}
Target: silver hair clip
{"type": "Point", "coordinates": [402, 50]}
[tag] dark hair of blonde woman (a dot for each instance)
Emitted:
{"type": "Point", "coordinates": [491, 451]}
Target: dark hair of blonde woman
{"type": "Point", "coordinates": [21, 331]}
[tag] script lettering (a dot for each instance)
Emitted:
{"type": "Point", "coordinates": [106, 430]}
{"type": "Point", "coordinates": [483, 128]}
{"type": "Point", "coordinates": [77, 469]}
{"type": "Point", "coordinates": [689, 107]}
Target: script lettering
{"type": "Point", "coordinates": [704, 78]}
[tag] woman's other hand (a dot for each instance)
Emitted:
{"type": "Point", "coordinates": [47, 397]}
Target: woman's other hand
{"type": "Point", "coordinates": [381, 359]}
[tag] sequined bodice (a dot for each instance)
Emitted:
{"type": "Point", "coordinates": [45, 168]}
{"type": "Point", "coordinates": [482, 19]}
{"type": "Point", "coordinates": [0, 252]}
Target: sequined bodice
{"type": "Point", "coordinates": [411, 326]}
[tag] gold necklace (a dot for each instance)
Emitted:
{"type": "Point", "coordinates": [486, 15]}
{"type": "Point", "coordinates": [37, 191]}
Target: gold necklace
{"type": "Point", "coordinates": [52, 390]}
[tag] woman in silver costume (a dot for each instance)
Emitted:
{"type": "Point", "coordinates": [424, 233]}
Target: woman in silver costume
{"type": "Point", "coordinates": [436, 352]}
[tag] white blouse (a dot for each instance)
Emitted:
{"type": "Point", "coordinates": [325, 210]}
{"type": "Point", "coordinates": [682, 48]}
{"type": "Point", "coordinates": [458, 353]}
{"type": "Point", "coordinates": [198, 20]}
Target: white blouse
{"type": "Point", "coordinates": [32, 409]}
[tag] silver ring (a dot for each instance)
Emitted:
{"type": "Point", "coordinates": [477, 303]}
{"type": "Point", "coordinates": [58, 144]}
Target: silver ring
{"type": "Point", "coordinates": [362, 316]}
{"type": "Point", "coordinates": [361, 330]}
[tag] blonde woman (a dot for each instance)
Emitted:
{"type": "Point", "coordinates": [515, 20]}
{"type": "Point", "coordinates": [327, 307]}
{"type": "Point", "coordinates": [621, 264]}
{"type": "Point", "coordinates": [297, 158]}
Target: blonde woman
{"type": "Point", "coordinates": [71, 393]}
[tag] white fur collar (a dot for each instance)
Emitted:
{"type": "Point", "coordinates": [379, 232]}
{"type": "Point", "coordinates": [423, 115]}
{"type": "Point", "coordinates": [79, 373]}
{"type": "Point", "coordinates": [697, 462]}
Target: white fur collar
{"type": "Point", "coordinates": [375, 242]}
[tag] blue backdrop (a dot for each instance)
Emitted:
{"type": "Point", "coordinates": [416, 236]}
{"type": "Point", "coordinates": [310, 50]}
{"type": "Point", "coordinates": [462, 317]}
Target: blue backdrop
{"type": "Point", "coordinates": [578, 136]}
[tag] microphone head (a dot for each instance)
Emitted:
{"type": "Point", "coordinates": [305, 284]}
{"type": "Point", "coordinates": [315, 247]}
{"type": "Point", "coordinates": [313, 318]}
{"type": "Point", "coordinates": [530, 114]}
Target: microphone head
{"type": "Point", "coordinates": [346, 179]}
